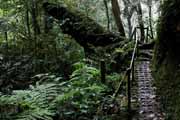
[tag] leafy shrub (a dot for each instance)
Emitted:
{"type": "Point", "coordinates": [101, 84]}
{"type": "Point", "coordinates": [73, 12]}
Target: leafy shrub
{"type": "Point", "coordinates": [83, 94]}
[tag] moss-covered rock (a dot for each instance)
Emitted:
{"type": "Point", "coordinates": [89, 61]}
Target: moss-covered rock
{"type": "Point", "coordinates": [166, 60]}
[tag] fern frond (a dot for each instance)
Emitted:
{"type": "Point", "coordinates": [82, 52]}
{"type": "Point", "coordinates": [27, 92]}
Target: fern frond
{"type": "Point", "coordinates": [37, 103]}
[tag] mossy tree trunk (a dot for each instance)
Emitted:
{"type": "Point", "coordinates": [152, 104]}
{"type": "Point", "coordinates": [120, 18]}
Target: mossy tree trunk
{"type": "Point", "coordinates": [82, 28]}
{"type": "Point", "coordinates": [117, 15]}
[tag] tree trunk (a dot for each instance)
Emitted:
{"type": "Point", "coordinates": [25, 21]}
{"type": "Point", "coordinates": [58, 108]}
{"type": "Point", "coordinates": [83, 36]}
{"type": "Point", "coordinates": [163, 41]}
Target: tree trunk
{"type": "Point", "coordinates": [34, 18]}
{"type": "Point", "coordinates": [129, 26]}
{"type": "Point", "coordinates": [150, 18]}
{"type": "Point", "coordinates": [116, 12]}
{"type": "Point", "coordinates": [86, 31]}
{"type": "Point", "coordinates": [140, 20]}
{"type": "Point", "coordinates": [27, 19]}
{"type": "Point", "coordinates": [37, 31]}
{"type": "Point", "coordinates": [107, 14]}
{"type": "Point", "coordinates": [6, 39]}
{"type": "Point", "coordinates": [128, 11]}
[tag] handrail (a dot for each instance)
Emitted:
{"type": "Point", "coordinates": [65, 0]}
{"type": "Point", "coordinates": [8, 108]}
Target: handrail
{"type": "Point", "coordinates": [126, 73]}
{"type": "Point", "coordinates": [130, 71]}
{"type": "Point", "coordinates": [133, 55]}
{"type": "Point", "coordinates": [119, 86]}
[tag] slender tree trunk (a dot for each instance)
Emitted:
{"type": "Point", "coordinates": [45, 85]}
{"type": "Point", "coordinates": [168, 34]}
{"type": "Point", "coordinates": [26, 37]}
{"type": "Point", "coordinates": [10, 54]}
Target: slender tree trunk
{"type": "Point", "coordinates": [6, 39]}
{"type": "Point", "coordinates": [27, 20]}
{"type": "Point", "coordinates": [129, 12]}
{"type": "Point", "coordinates": [6, 32]}
{"type": "Point", "coordinates": [37, 31]}
{"type": "Point", "coordinates": [116, 12]}
{"type": "Point", "coordinates": [150, 18]}
{"type": "Point", "coordinates": [34, 18]}
{"type": "Point", "coordinates": [46, 30]}
{"type": "Point", "coordinates": [140, 20]}
{"type": "Point", "coordinates": [129, 25]}
{"type": "Point", "coordinates": [150, 22]}
{"type": "Point", "coordinates": [107, 14]}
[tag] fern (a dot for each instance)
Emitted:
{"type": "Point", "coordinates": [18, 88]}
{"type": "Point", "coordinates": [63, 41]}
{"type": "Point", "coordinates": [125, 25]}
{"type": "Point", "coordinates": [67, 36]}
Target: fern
{"type": "Point", "coordinates": [83, 72]}
{"type": "Point", "coordinates": [80, 96]}
{"type": "Point", "coordinates": [37, 103]}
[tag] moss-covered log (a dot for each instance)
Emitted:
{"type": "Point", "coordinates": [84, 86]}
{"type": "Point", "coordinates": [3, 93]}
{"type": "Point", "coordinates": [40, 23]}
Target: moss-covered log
{"type": "Point", "coordinates": [82, 28]}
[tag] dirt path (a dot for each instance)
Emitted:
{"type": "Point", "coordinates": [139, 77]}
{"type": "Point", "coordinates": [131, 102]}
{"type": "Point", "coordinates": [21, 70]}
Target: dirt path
{"type": "Point", "coordinates": [149, 107]}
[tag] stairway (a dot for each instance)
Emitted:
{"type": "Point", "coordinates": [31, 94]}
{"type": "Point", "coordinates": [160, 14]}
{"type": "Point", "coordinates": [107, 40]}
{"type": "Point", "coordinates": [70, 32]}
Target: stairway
{"type": "Point", "coordinates": [149, 106]}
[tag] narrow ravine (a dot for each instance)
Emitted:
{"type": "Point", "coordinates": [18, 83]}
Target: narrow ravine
{"type": "Point", "coordinates": [149, 106]}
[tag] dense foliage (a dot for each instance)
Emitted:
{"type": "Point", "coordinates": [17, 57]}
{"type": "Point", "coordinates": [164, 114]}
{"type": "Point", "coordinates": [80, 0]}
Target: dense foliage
{"type": "Point", "coordinates": [46, 74]}
{"type": "Point", "coordinates": [81, 97]}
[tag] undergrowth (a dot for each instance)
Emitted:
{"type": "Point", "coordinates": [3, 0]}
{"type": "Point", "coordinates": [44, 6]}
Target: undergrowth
{"type": "Point", "coordinates": [81, 97]}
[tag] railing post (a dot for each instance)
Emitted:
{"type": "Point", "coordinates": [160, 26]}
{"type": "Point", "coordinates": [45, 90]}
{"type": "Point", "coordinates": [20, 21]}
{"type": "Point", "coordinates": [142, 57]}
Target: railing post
{"type": "Point", "coordinates": [135, 34]}
{"type": "Point", "coordinates": [103, 71]}
{"type": "Point", "coordinates": [147, 34]}
{"type": "Point", "coordinates": [137, 49]}
{"type": "Point", "coordinates": [133, 71]}
{"type": "Point", "coordinates": [129, 90]}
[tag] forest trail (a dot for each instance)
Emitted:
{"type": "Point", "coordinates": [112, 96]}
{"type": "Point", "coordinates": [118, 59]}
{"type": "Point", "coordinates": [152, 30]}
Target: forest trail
{"type": "Point", "coordinates": [148, 105]}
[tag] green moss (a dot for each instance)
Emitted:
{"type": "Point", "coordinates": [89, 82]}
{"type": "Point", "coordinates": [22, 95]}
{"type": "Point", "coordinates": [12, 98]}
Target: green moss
{"type": "Point", "coordinates": [166, 60]}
